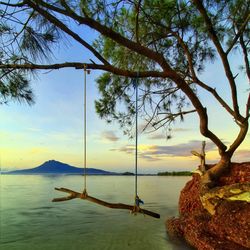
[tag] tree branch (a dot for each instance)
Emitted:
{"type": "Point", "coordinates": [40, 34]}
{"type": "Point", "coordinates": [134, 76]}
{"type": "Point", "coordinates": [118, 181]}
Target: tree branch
{"type": "Point", "coordinates": [78, 65]}
{"type": "Point", "coordinates": [108, 32]}
{"type": "Point", "coordinates": [192, 71]}
{"type": "Point", "coordinates": [217, 97]}
{"type": "Point", "coordinates": [13, 5]}
{"type": "Point", "coordinates": [248, 107]}
{"type": "Point", "coordinates": [245, 53]}
{"type": "Point", "coordinates": [154, 112]}
{"type": "Point", "coordinates": [133, 208]}
{"type": "Point", "coordinates": [195, 78]}
{"type": "Point", "coordinates": [240, 138]}
{"type": "Point", "coordinates": [237, 36]}
{"type": "Point", "coordinates": [23, 28]}
{"type": "Point", "coordinates": [187, 52]}
{"type": "Point", "coordinates": [170, 116]}
{"type": "Point", "coordinates": [223, 56]}
{"type": "Point", "coordinates": [137, 21]}
{"type": "Point", "coordinates": [202, 112]}
{"type": "Point", "coordinates": [63, 27]}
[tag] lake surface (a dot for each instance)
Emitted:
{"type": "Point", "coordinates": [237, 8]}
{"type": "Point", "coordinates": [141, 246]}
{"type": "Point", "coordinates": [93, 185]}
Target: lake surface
{"type": "Point", "coordinates": [30, 221]}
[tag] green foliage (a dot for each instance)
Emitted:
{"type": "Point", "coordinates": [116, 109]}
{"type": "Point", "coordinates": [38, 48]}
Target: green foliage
{"type": "Point", "coordinates": [161, 26]}
{"type": "Point", "coordinates": [173, 30]}
{"type": "Point", "coordinates": [175, 173]}
{"type": "Point", "coordinates": [156, 19]}
{"type": "Point", "coordinates": [37, 45]}
{"type": "Point", "coordinates": [24, 38]}
{"type": "Point", "coordinates": [15, 86]}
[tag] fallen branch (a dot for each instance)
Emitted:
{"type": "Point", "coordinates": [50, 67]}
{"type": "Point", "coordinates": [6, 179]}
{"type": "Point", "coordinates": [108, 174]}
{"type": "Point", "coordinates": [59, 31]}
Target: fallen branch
{"type": "Point", "coordinates": [73, 195]}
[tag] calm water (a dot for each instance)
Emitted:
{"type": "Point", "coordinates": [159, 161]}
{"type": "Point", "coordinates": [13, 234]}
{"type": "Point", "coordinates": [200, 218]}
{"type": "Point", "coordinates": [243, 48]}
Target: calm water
{"type": "Point", "coordinates": [30, 221]}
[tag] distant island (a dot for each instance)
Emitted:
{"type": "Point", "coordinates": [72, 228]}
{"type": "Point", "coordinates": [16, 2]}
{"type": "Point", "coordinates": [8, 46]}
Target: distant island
{"type": "Point", "coordinates": [56, 167]}
{"type": "Point", "coordinates": [175, 173]}
{"type": "Point", "coordinates": [128, 173]}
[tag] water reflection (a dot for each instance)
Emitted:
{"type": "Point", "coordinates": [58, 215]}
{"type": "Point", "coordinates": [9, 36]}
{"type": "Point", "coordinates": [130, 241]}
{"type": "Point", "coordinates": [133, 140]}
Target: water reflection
{"type": "Point", "coordinates": [29, 220]}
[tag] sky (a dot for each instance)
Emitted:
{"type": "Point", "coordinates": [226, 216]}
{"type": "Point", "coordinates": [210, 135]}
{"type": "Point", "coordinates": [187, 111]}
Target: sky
{"type": "Point", "coordinates": [52, 128]}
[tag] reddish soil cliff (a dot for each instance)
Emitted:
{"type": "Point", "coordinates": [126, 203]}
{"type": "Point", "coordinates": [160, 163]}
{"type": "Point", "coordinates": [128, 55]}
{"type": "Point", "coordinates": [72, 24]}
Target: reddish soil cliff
{"type": "Point", "coordinates": [227, 229]}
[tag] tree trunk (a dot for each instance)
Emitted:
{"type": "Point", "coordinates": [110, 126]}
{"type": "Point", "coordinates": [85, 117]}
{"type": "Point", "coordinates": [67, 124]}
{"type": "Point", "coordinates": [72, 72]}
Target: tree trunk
{"type": "Point", "coordinates": [211, 176]}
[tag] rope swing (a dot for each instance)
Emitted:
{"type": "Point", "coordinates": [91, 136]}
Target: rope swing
{"type": "Point", "coordinates": [138, 201]}
{"type": "Point", "coordinates": [84, 195]}
{"type": "Point", "coordinates": [85, 129]}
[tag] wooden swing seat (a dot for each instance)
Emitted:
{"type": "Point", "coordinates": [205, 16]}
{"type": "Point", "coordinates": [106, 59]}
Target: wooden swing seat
{"type": "Point", "coordinates": [84, 196]}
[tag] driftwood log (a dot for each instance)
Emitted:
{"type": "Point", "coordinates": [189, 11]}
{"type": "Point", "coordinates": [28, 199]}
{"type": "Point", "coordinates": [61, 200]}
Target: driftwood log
{"type": "Point", "coordinates": [84, 196]}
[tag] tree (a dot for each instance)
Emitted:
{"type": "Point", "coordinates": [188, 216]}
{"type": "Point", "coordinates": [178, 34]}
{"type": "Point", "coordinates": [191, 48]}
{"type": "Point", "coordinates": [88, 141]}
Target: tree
{"type": "Point", "coordinates": [165, 44]}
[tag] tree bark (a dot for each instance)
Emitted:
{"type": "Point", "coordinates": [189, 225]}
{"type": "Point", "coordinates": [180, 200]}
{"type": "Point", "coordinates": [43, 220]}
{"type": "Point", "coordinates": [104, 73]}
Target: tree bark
{"type": "Point", "coordinates": [211, 176]}
{"type": "Point", "coordinates": [208, 180]}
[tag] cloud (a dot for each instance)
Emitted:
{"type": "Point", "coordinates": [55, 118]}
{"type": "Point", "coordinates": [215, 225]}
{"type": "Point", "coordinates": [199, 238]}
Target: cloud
{"type": "Point", "coordinates": [146, 152]}
{"type": "Point", "coordinates": [157, 137]}
{"type": "Point", "coordinates": [160, 136]}
{"type": "Point", "coordinates": [150, 158]}
{"type": "Point", "coordinates": [110, 136]}
{"type": "Point", "coordinates": [156, 152]}
{"type": "Point", "coordinates": [184, 149]}
{"type": "Point", "coordinates": [129, 149]}
{"type": "Point", "coordinates": [244, 153]}
{"type": "Point", "coordinates": [181, 130]}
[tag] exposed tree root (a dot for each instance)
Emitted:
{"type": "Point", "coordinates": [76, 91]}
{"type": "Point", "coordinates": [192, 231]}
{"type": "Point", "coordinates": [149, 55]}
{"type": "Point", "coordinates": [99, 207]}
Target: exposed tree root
{"type": "Point", "coordinates": [213, 197]}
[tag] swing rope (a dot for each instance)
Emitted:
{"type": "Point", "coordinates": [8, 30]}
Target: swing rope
{"type": "Point", "coordinates": [85, 130]}
{"type": "Point", "coordinates": [136, 134]}
{"type": "Point", "coordinates": [137, 199]}
{"type": "Point", "coordinates": [84, 195]}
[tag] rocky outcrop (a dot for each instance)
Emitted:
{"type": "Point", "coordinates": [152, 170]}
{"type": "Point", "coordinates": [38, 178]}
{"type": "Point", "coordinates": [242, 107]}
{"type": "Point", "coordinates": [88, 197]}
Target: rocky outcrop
{"type": "Point", "coordinates": [227, 229]}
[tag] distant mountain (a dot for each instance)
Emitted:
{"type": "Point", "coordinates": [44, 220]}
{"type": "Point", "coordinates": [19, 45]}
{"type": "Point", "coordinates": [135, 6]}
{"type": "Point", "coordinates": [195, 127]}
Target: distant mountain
{"type": "Point", "coordinates": [56, 167]}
